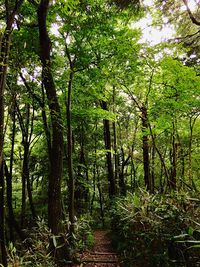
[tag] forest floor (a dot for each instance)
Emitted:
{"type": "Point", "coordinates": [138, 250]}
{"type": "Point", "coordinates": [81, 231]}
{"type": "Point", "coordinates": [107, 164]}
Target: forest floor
{"type": "Point", "coordinates": [102, 253]}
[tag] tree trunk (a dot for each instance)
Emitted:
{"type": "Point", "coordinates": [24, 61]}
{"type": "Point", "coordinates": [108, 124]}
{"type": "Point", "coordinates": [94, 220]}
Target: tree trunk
{"type": "Point", "coordinates": [145, 146]}
{"type": "Point", "coordinates": [191, 125]}
{"type": "Point", "coordinates": [26, 130]}
{"type": "Point", "coordinates": [71, 186]}
{"type": "Point", "coordinates": [94, 168]}
{"type": "Point", "coordinates": [4, 56]}
{"type": "Point", "coordinates": [172, 181]}
{"type": "Point", "coordinates": [13, 224]}
{"type": "Point", "coordinates": [122, 184]}
{"type": "Point", "coordinates": [107, 140]}
{"type": "Point", "coordinates": [56, 153]}
{"type": "Point", "coordinates": [100, 198]}
{"type": "Point", "coordinates": [81, 189]}
{"type": "Point", "coordinates": [9, 176]}
{"type": "Point", "coordinates": [3, 254]}
{"type": "Point", "coordinates": [116, 156]}
{"type": "Point", "coordinates": [4, 53]}
{"type": "Point", "coordinates": [24, 179]}
{"type": "Point", "coordinates": [153, 154]}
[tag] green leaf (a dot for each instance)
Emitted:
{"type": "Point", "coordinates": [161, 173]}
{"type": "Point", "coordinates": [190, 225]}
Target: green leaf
{"type": "Point", "coordinates": [54, 241]}
{"type": "Point", "coordinates": [190, 231]}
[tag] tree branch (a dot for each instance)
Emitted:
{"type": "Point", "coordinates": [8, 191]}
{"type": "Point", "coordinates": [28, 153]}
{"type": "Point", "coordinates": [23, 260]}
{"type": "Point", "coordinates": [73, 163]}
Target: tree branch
{"type": "Point", "coordinates": [193, 19]}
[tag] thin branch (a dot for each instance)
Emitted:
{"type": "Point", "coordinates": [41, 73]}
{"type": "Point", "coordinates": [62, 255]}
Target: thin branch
{"type": "Point", "coordinates": [133, 97]}
{"type": "Point", "coordinates": [31, 91]}
{"type": "Point", "coordinates": [193, 19]}
{"type": "Point", "coordinates": [189, 36]}
{"type": "Point", "coordinates": [149, 87]}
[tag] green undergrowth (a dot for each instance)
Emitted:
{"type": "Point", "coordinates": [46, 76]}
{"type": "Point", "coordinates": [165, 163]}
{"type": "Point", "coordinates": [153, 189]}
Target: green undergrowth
{"type": "Point", "coordinates": [36, 250]}
{"type": "Point", "coordinates": [157, 230]}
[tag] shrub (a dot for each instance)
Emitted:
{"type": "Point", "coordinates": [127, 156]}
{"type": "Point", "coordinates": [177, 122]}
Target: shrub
{"type": "Point", "coordinates": [146, 224]}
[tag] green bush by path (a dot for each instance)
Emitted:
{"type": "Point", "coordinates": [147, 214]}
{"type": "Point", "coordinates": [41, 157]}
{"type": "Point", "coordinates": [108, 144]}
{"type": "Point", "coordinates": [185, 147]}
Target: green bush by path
{"type": "Point", "coordinates": [152, 230]}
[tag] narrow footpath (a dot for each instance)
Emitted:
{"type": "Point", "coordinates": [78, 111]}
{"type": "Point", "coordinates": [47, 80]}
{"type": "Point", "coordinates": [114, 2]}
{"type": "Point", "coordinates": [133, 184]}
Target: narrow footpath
{"type": "Point", "coordinates": [102, 254]}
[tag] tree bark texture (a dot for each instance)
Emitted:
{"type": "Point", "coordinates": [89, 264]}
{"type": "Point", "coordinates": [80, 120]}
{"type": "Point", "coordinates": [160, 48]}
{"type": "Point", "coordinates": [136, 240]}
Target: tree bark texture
{"type": "Point", "coordinates": [145, 147]}
{"type": "Point", "coordinates": [107, 140]}
{"type": "Point", "coordinates": [71, 185]}
{"type": "Point", "coordinates": [56, 153]}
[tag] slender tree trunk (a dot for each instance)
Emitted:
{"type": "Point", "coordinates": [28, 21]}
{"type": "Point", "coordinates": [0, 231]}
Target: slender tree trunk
{"type": "Point", "coordinates": [94, 168]}
{"type": "Point", "coordinates": [4, 55]}
{"type": "Point", "coordinates": [145, 146]}
{"type": "Point", "coordinates": [24, 179]}
{"type": "Point", "coordinates": [9, 177]}
{"type": "Point", "coordinates": [56, 153]}
{"type": "Point", "coordinates": [28, 183]}
{"type": "Point", "coordinates": [116, 156]}
{"type": "Point", "coordinates": [162, 160]}
{"type": "Point", "coordinates": [191, 125]}
{"type": "Point", "coordinates": [153, 155]}
{"type": "Point", "coordinates": [173, 175]}
{"type": "Point", "coordinates": [81, 190]}
{"type": "Point", "coordinates": [100, 198]}
{"type": "Point", "coordinates": [133, 175]}
{"type": "Point", "coordinates": [26, 125]}
{"type": "Point", "coordinates": [45, 123]}
{"type": "Point", "coordinates": [122, 183]}
{"type": "Point", "coordinates": [13, 224]}
{"type": "Point", "coordinates": [107, 140]}
{"type": "Point", "coordinates": [3, 254]}
{"type": "Point", "coordinates": [71, 186]}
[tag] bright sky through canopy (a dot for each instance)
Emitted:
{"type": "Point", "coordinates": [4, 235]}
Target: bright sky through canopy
{"type": "Point", "coordinates": [155, 35]}
{"type": "Point", "coordinates": [150, 34]}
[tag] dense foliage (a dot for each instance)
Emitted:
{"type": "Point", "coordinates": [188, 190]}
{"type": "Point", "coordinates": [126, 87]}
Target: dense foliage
{"type": "Point", "coordinates": [99, 127]}
{"type": "Point", "coordinates": [159, 230]}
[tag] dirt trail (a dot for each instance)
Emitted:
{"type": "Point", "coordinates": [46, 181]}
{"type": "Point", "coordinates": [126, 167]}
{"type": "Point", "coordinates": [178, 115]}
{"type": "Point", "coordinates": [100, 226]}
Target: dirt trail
{"type": "Point", "coordinates": [102, 254]}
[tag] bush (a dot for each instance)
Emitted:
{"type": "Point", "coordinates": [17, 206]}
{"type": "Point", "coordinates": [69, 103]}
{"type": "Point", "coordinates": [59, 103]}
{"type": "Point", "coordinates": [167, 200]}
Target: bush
{"type": "Point", "coordinates": [146, 225]}
{"type": "Point", "coordinates": [35, 250]}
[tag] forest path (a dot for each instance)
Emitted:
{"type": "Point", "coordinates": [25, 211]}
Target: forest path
{"type": "Point", "coordinates": [102, 254]}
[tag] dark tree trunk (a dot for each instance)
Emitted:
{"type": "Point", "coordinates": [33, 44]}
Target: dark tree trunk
{"type": "Point", "coordinates": [41, 102]}
{"type": "Point", "coordinates": [115, 145]}
{"type": "Point", "coordinates": [13, 224]}
{"type": "Point", "coordinates": [26, 125]}
{"type": "Point", "coordinates": [29, 191]}
{"type": "Point", "coordinates": [71, 185]}
{"type": "Point", "coordinates": [116, 156]}
{"type": "Point", "coordinates": [3, 253]}
{"type": "Point", "coordinates": [122, 183]}
{"type": "Point", "coordinates": [153, 154]}
{"type": "Point", "coordinates": [4, 53]}
{"type": "Point", "coordinates": [145, 146]}
{"type": "Point", "coordinates": [4, 56]}
{"type": "Point", "coordinates": [162, 161]}
{"type": "Point", "coordinates": [191, 125]}
{"type": "Point", "coordinates": [81, 190]}
{"type": "Point", "coordinates": [172, 181]}
{"type": "Point", "coordinates": [100, 198]}
{"type": "Point", "coordinates": [24, 180]}
{"type": "Point", "coordinates": [56, 153]}
{"type": "Point", "coordinates": [107, 140]}
{"type": "Point", "coordinates": [133, 175]}
{"type": "Point", "coordinates": [9, 175]}
{"type": "Point", "coordinates": [94, 169]}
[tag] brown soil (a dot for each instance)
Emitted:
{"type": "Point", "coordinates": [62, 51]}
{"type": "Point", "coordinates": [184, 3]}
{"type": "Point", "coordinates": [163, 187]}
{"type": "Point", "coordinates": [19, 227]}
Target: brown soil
{"type": "Point", "coordinates": [102, 254]}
